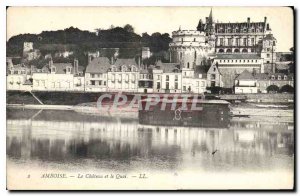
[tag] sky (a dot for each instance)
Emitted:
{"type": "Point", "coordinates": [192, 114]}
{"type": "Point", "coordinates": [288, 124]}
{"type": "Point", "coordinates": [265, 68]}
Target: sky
{"type": "Point", "coordinates": [22, 20]}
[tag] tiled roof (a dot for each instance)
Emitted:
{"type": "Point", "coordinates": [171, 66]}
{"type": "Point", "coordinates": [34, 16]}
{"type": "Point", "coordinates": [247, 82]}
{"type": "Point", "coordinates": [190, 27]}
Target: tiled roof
{"type": "Point", "coordinates": [27, 82]}
{"type": "Point", "coordinates": [146, 71]}
{"type": "Point", "coordinates": [269, 37]}
{"type": "Point", "coordinates": [261, 76]}
{"type": "Point", "coordinates": [245, 75]}
{"type": "Point", "coordinates": [238, 56]}
{"type": "Point", "coordinates": [168, 67]}
{"type": "Point", "coordinates": [120, 62]}
{"type": "Point", "coordinates": [61, 67]}
{"type": "Point", "coordinates": [98, 65]}
{"type": "Point", "coordinates": [125, 62]}
{"type": "Point", "coordinates": [200, 70]}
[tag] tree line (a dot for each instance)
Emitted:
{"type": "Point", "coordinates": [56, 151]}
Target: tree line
{"type": "Point", "coordinates": [82, 41]}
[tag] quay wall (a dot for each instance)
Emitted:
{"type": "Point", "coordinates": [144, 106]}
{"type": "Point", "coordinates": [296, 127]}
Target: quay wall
{"type": "Point", "coordinates": [261, 97]}
{"type": "Point", "coordinates": [74, 98]}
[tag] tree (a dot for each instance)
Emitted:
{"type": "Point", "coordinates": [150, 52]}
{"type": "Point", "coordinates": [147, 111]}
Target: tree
{"type": "Point", "coordinates": [273, 88]}
{"type": "Point", "coordinates": [287, 89]}
{"type": "Point", "coordinates": [129, 28]}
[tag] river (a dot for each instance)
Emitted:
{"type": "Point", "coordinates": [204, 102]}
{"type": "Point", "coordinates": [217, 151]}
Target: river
{"type": "Point", "coordinates": [95, 152]}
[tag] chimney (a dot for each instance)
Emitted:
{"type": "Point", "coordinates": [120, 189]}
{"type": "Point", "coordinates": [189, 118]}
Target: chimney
{"type": "Point", "coordinates": [248, 21]}
{"type": "Point", "coordinates": [50, 63]}
{"type": "Point", "coordinates": [89, 58]}
{"type": "Point", "coordinates": [75, 66]}
{"type": "Point", "coordinates": [112, 60]}
{"type": "Point", "coordinates": [139, 62]}
{"type": "Point", "coordinates": [265, 21]}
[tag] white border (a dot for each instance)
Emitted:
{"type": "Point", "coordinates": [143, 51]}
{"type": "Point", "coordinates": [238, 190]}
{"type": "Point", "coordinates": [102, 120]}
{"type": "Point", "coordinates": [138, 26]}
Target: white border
{"type": "Point", "coordinates": [5, 3]}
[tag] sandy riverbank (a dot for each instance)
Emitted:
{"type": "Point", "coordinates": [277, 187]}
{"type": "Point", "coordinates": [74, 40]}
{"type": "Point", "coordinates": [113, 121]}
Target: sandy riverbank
{"type": "Point", "coordinates": [91, 109]}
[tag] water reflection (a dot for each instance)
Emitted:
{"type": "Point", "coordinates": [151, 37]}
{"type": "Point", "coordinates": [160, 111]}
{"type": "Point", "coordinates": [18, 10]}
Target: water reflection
{"type": "Point", "coordinates": [66, 137]}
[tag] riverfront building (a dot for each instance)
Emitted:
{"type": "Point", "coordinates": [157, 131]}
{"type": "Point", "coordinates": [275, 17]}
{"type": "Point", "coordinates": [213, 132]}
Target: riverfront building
{"type": "Point", "coordinates": [123, 76]}
{"type": "Point", "coordinates": [59, 77]}
{"type": "Point", "coordinates": [96, 74]}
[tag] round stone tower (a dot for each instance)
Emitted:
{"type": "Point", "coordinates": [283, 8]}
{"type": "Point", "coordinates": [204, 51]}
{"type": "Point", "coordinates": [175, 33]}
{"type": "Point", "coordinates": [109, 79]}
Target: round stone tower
{"type": "Point", "coordinates": [189, 48]}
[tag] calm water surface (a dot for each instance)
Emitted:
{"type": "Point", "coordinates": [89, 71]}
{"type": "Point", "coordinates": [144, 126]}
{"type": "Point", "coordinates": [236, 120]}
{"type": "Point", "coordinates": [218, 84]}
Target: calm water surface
{"type": "Point", "coordinates": [69, 141]}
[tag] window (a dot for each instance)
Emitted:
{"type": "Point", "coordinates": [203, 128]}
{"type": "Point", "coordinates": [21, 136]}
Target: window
{"type": "Point", "coordinates": [167, 77]}
{"type": "Point", "coordinates": [176, 85]}
{"type": "Point", "coordinates": [245, 41]}
{"type": "Point", "coordinates": [188, 65]}
{"type": "Point", "coordinates": [158, 77]}
{"type": "Point", "coordinates": [237, 41]}
{"type": "Point", "coordinates": [213, 84]}
{"type": "Point", "coordinates": [113, 78]}
{"type": "Point", "coordinates": [252, 41]}
{"type": "Point", "coordinates": [184, 88]}
{"type": "Point", "coordinates": [229, 41]}
{"type": "Point", "coordinates": [93, 82]}
{"type": "Point", "coordinates": [167, 85]}
{"type": "Point", "coordinates": [104, 83]}
{"type": "Point", "coordinates": [268, 55]}
{"type": "Point", "coordinates": [202, 84]}
{"type": "Point", "coordinates": [176, 77]}
{"type": "Point", "coordinates": [158, 85]}
{"type": "Point", "coordinates": [213, 76]}
{"type": "Point", "coordinates": [221, 41]}
{"type": "Point", "coordinates": [133, 78]}
{"type": "Point", "coordinates": [119, 78]}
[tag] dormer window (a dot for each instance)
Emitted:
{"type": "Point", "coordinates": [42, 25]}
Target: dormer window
{"type": "Point", "coordinates": [133, 68]}
{"type": "Point", "coordinates": [273, 77]}
{"type": "Point", "coordinates": [124, 68]}
{"type": "Point", "coordinates": [279, 77]}
{"type": "Point", "coordinates": [53, 69]}
{"type": "Point", "coordinates": [285, 77]}
{"type": "Point", "coordinates": [68, 70]}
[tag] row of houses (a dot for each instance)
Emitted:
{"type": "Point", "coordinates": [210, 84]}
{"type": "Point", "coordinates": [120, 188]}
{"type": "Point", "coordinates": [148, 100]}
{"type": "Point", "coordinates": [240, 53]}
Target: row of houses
{"type": "Point", "coordinates": [126, 75]}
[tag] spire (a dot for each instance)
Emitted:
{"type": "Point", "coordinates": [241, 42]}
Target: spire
{"type": "Point", "coordinates": [199, 27]}
{"type": "Point", "coordinates": [210, 18]}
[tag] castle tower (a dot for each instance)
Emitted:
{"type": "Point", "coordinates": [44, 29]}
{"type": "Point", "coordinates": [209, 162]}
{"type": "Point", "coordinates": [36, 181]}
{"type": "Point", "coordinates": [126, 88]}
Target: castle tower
{"type": "Point", "coordinates": [189, 48]}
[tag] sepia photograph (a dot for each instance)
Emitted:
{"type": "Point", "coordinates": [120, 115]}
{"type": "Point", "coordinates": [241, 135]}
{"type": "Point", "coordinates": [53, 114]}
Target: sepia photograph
{"type": "Point", "coordinates": [150, 98]}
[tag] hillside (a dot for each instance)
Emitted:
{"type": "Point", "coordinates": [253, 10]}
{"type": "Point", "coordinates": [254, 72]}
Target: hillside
{"type": "Point", "coordinates": [81, 42]}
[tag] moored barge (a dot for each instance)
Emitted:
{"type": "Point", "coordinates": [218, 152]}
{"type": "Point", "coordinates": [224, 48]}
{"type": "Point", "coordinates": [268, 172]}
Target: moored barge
{"type": "Point", "coordinates": [185, 112]}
